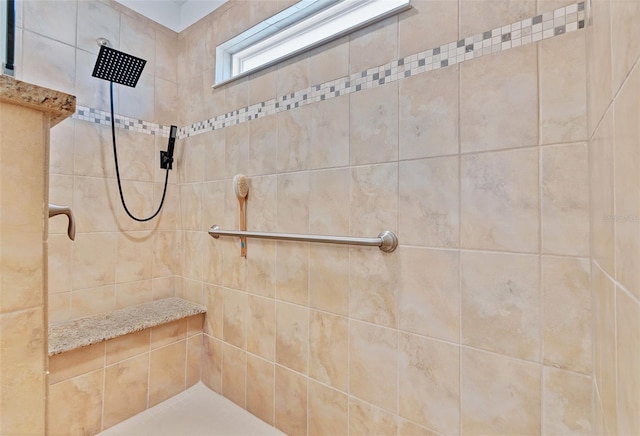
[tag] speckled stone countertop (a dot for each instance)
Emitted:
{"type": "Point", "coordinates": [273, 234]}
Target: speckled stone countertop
{"type": "Point", "coordinates": [58, 105]}
{"type": "Point", "coordinates": [94, 329]}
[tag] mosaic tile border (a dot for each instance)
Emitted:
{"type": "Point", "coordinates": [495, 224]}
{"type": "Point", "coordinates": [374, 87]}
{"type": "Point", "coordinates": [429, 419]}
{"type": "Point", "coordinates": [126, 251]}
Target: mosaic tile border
{"type": "Point", "coordinates": [528, 31]}
{"type": "Point", "coordinates": [98, 116]}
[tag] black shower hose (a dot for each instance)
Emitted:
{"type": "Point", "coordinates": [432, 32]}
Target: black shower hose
{"type": "Point", "coordinates": [115, 156]}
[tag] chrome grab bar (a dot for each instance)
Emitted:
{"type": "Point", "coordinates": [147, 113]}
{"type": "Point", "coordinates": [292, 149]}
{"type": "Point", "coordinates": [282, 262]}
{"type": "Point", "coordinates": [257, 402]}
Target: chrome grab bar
{"type": "Point", "coordinates": [54, 210]}
{"type": "Point", "coordinates": [387, 241]}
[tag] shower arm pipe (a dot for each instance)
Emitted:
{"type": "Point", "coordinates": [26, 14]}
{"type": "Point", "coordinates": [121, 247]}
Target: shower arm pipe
{"type": "Point", "coordinates": [54, 210]}
{"type": "Point", "coordinates": [387, 241]}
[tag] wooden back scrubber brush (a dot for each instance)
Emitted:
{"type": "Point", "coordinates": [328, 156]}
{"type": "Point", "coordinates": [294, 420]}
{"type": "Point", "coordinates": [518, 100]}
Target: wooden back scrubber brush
{"type": "Point", "coordinates": [241, 186]}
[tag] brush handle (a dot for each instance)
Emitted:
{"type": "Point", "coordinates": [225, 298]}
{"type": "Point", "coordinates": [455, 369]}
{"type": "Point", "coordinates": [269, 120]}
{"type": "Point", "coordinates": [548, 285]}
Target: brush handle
{"type": "Point", "coordinates": [243, 226]}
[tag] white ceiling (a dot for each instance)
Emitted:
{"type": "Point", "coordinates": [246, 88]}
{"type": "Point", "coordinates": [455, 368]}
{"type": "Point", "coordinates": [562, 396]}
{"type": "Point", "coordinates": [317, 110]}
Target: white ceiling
{"type": "Point", "coordinates": [177, 15]}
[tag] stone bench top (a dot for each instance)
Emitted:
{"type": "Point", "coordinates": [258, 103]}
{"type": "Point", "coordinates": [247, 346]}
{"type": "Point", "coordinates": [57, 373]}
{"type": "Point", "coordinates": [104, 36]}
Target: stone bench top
{"type": "Point", "coordinates": [98, 328]}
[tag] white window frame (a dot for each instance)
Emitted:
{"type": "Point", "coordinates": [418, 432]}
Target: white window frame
{"type": "Point", "coordinates": [305, 25]}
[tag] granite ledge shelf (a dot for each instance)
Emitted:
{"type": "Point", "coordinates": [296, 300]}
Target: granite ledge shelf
{"type": "Point", "coordinates": [98, 328]}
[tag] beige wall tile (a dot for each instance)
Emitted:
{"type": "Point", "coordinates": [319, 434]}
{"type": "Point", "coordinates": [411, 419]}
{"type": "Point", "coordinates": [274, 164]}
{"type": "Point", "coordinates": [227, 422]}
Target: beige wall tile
{"type": "Point", "coordinates": [97, 19]}
{"type": "Point", "coordinates": [214, 155]}
{"type": "Point", "coordinates": [262, 205]}
{"type": "Point", "coordinates": [212, 364]}
{"type": "Point", "coordinates": [22, 268]}
{"type": "Point", "coordinates": [76, 362]}
{"type": "Point", "coordinates": [499, 201]}
{"type": "Point", "coordinates": [195, 324]}
{"type": "Point", "coordinates": [566, 403]}
{"type": "Point", "coordinates": [499, 395]}
{"type": "Point", "coordinates": [292, 336]}
{"type": "Point", "coordinates": [167, 372]}
{"type": "Point", "coordinates": [133, 293]}
{"type": "Point", "coordinates": [429, 202]}
{"type": "Point", "coordinates": [191, 206]}
{"type": "Point", "coordinates": [75, 405]}
{"type": "Point", "coordinates": [193, 244]}
{"type": "Point", "coordinates": [625, 48]}
{"type": "Point", "coordinates": [628, 356]}
{"type": "Point", "coordinates": [563, 100]}
{"type": "Point", "coordinates": [429, 298]}
{"type": "Point", "coordinates": [263, 144]}
{"type": "Point", "coordinates": [329, 61]}
{"type": "Point", "coordinates": [236, 148]}
{"type": "Point", "coordinates": [598, 62]}
{"type": "Point", "coordinates": [192, 291]}
{"type": "Point", "coordinates": [416, 26]}
{"type": "Point", "coordinates": [329, 278]}
{"type": "Point", "coordinates": [191, 163]}
{"type": "Point", "coordinates": [429, 383]}
{"type": "Point", "coordinates": [93, 204]}
{"type": "Point", "coordinates": [328, 349]}
{"type": "Point", "coordinates": [408, 428]}
{"type": "Point", "coordinates": [566, 309]}
{"type": "Point", "coordinates": [92, 301]}
{"type": "Point", "coordinates": [292, 272]}
{"type": "Point", "coordinates": [166, 94]}
{"type": "Point", "coordinates": [261, 268]}
{"type": "Point", "coordinates": [261, 322]}
{"type": "Point", "coordinates": [499, 96]}
{"type": "Point", "coordinates": [373, 125]}
{"type": "Point", "coordinates": [138, 102]}
{"type": "Point", "coordinates": [373, 286]}
{"type": "Point", "coordinates": [22, 380]}
{"type": "Point", "coordinates": [293, 75]}
{"type": "Point", "coordinates": [133, 373]}
{"type": "Point", "coordinates": [626, 180]}
{"type": "Point", "coordinates": [328, 195]}
{"type": "Point", "coordinates": [601, 161]}
{"type": "Point", "coordinates": [59, 268]}
{"type": "Point", "coordinates": [169, 333]}
{"type": "Point", "coordinates": [329, 130]}
{"type": "Point", "coordinates": [365, 419]}
{"type": "Point", "coordinates": [374, 199]}
{"type": "Point", "coordinates": [235, 318]}
{"type": "Point", "coordinates": [260, 388]}
{"type": "Point", "coordinates": [382, 35]}
{"type": "Point", "coordinates": [127, 346]}
{"type": "Point", "coordinates": [429, 112]}
{"type": "Point", "coordinates": [136, 154]}
{"type": "Point", "coordinates": [565, 199]}
{"type": "Point", "coordinates": [476, 17]}
{"type": "Point", "coordinates": [167, 250]}
{"type": "Point", "coordinates": [58, 307]}
{"type": "Point", "coordinates": [134, 260]}
{"type": "Point", "coordinates": [328, 411]}
{"type": "Point", "coordinates": [263, 85]}
{"type": "Point", "coordinates": [372, 352]}
{"type": "Point", "coordinates": [294, 138]}
{"type": "Point", "coordinates": [234, 378]}
{"type": "Point", "coordinates": [61, 142]}
{"type": "Point", "coordinates": [293, 203]}
{"type": "Point", "coordinates": [47, 62]}
{"type": "Point", "coordinates": [501, 303]}
{"type": "Point", "coordinates": [290, 402]}
{"type": "Point", "coordinates": [214, 320]}
{"type": "Point", "coordinates": [166, 55]}
{"type": "Point", "coordinates": [604, 325]}
{"type": "Point", "coordinates": [194, 359]}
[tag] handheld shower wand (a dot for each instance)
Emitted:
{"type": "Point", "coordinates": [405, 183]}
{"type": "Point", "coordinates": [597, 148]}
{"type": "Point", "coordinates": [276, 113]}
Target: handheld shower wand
{"type": "Point", "coordinates": [166, 157]}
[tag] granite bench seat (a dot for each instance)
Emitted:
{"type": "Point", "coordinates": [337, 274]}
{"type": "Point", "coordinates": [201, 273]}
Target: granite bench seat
{"type": "Point", "coordinates": [102, 327]}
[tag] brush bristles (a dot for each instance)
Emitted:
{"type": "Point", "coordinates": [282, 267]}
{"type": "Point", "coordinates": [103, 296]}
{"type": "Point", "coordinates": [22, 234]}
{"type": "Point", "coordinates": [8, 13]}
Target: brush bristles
{"type": "Point", "coordinates": [241, 185]}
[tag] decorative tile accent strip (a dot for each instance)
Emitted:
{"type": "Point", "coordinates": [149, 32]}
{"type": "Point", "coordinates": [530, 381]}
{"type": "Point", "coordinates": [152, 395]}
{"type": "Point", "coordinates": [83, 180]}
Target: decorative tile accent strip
{"type": "Point", "coordinates": [560, 21]}
{"type": "Point", "coordinates": [97, 116]}
{"type": "Point", "coordinates": [530, 30]}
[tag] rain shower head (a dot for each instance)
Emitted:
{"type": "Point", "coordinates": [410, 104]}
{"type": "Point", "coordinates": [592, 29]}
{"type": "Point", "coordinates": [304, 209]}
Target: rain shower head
{"type": "Point", "coordinates": [116, 66]}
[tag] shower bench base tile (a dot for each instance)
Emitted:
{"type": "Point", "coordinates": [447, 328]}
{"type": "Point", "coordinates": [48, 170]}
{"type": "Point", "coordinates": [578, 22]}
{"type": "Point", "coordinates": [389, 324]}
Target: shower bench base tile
{"type": "Point", "coordinates": [106, 368]}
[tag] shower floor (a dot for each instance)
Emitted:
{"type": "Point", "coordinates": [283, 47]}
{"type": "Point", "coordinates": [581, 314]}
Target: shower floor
{"type": "Point", "coordinates": [198, 411]}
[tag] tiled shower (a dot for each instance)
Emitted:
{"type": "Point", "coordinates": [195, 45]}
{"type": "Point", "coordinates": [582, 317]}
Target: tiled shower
{"type": "Point", "coordinates": [498, 139]}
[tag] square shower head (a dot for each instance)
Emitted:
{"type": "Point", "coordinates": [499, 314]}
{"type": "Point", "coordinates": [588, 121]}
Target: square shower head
{"type": "Point", "coordinates": [116, 66]}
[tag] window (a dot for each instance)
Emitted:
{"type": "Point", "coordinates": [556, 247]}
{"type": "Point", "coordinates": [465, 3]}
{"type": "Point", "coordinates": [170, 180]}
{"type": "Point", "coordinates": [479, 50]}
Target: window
{"type": "Point", "coordinates": [305, 25]}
